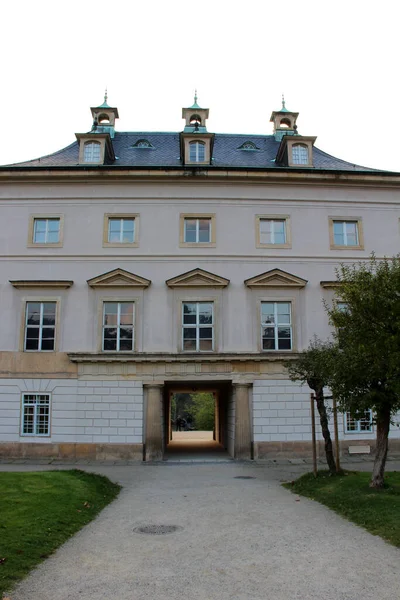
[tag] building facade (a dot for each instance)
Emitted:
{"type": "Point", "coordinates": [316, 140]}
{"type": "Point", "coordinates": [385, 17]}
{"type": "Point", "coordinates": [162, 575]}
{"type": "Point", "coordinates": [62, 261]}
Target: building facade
{"type": "Point", "coordinates": [136, 265]}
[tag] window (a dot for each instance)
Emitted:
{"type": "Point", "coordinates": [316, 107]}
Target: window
{"type": "Point", "coordinates": [353, 425]}
{"type": "Point", "coordinates": [46, 231]}
{"type": "Point", "coordinates": [248, 146]}
{"type": "Point", "coordinates": [197, 231]}
{"type": "Point", "coordinates": [121, 231]}
{"type": "Point", "coordinates": [35, 414]}
{"type": "Point", "coordinates": [40, 326]}
{"type": "Point", "coordinates": [272, 231]}
{"type": "Point", "coordinates": [118, 326]}
{"type": "Point", "coordinates": [142, 144]}
{"type": "Point", "coordinates": [91, 152]}
{"type": "Point", "coordinates": [197, 152]}
{"type": "Point", "coordinates": [197, 326]}
{"type": "Point", "coordinates": [345, 233]}
{"type": "Point", "coordinates": [276, 326]}
{"type": "Point", "coordinates": [300, 154]}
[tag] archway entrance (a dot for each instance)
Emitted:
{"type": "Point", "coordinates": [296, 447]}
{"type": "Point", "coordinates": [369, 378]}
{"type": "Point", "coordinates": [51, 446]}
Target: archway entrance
{"type": "Point", "coordinates": [196, 424]}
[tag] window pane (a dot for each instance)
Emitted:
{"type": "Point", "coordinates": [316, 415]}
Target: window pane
{"type": "Point", "coordinates": [206, 345]}
{"type": "Point", "coordinates": [33, 313]}
{"type": "Point", "coordinates": [201, 152]}
{"type": "Point", "coordinates": [190, 230]}
{"type": "Point", "coordinates": [189, 314]}
{"type": "Point", "coordinates": [126, 313]}
{"type": "Point", "coordinates": [189, 345]}
{"type": "Point", "coordinates": [268, 344]}
{"type": "Point", "coordinates": [284, 344]}
{"type": "Point", "coordinates": [205, 333]}
{"type": "Point", "coordinates": [40, 225]}
{"type": "Point", "coordinates": [110, 343]}
{"type": "Point", "coordinates": [204, 230]}
{"type": "Point", "coordinates": [351, 234]}
{"type": "Point", "coordinates": [189, 333]}
{"type": "Point", "coordinates": [48, 344]}
{"type": "Point", "coordinates": [338, 233]}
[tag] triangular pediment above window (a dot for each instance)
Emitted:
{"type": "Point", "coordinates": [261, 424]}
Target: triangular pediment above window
{"type": "Point", "coordinates": [276, 279]}
{"type": "Point", "coordinates": [197, 278]}
{"type": "Point", "coordinates": [119, 279]}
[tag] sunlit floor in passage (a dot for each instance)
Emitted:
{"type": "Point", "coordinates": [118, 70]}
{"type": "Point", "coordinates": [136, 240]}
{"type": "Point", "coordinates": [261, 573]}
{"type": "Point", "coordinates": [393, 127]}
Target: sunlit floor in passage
{"type": "Point", "coordinates": [195, 445]}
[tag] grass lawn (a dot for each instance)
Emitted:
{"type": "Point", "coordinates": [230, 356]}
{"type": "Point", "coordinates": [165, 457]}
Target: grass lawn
{"type": "Point", "coordinates": [378, 511]}
{"type": "Point", "coordinates": [39, 511]}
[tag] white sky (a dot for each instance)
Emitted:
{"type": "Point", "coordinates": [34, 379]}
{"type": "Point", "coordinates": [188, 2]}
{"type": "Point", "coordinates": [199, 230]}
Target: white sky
{"type": "Point", "coordinates": [337, 63]}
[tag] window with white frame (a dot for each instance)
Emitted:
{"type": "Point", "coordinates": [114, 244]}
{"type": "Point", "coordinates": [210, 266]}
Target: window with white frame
{"type": "Point", "coordinates": [197, 151]}
{"type": "Point", "coordinates": [276, 326]}
{"type": "Point", "coordinates": [46, 230]}
{"type": "Point", "coordinates": [40, 326]}
{"type": "Point", "coordinates": [345, 233]}
{"type": "Point", "coordinates": [35, 417]}
{"type": "Point", "coordinates": [354, 425]}
{"type": "Point", "coordinates": [300, 154]}
{"type": "Point", "coordinates": [118, 326]}
{"type": "Point", "coordinates": [198, 326]}
{"type": "Point", "coordinates": [92, 152]}
{"type": "Point", "coordinates": [121, 230]}
{"type": "Point", "coordinates": [197, 231]}
{"type": "Point", "coordinates": [273, 231]}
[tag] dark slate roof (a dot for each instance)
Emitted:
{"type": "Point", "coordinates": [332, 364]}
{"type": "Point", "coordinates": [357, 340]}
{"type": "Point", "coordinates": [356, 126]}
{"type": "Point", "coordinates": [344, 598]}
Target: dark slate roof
{"type": "Point", "coordinates": [165, 152]}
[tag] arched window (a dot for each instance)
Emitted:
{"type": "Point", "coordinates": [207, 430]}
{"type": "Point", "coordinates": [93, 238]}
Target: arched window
{"type": "Point", "coordinates": [142, 144]}
{"type": "Point", "coordinates": [300, 154]}
{"type": "Point", "coordinates": [285, 123]}
{"type": "Point", "coordinates": [197, 152]}
{"type": "Point", "coordinates": [104, 118]}
{"type": "Point", "coordinates": [91, 153]}
{"type": "Point", "coordinates": [195, 120]}
{"type": "Point", "coordinates": [248, 146]}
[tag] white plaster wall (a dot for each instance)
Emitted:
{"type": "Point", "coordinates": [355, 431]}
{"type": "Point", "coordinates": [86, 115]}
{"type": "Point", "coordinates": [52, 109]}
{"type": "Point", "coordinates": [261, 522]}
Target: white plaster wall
{"type": "Point", "coordinates": [81, 411]}
{"type": "Point", "coordinates": [281, 412]}
{"type": "Point", "coordinates": [159, 257]}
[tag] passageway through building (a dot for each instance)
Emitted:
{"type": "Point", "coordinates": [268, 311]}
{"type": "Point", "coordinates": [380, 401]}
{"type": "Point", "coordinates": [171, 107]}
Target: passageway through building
{"type": "Point", "coordinates": [199, 421]}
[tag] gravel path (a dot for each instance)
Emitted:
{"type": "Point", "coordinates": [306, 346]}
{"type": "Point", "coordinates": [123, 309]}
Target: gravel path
{"type": "Point", "coordinates": [242, 539]}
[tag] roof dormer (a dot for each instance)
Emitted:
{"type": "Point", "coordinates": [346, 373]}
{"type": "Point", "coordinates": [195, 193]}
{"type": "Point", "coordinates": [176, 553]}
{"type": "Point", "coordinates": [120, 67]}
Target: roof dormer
{"type": "Point", "coordinates": [196, 142]}
{"type": "Point", "coordinates": [95, 146]}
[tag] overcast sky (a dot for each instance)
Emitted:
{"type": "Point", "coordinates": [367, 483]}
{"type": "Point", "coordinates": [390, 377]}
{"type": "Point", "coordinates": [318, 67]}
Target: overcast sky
{"type": "Point", "coordinates": [336, 62]}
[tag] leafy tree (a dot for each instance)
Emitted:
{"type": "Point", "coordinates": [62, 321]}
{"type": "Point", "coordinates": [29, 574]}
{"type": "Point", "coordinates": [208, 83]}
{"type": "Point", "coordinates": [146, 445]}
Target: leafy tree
{"type": "Point", "coordinates": [203, 411]}
{"type": "Point", "coordinates": [313, 367]}
{"type": "Point", "coordinates": [365, 372]}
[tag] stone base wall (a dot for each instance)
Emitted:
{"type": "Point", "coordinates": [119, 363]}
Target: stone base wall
{"type": "Point", "coordinates": [271, 450]}
{"type": "Point", "coordinates": [72, 451]}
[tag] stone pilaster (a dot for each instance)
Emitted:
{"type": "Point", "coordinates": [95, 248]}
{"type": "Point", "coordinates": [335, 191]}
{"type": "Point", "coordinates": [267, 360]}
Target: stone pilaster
{"type": "Point", "coordinates": [242, 421]}
{"type": "Point", "coordinates": [154, 424]}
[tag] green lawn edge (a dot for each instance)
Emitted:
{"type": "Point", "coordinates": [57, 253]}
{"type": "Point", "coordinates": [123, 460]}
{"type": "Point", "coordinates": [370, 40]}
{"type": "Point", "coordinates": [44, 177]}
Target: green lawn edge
{"type": "Point", "coordinates": [349, 495]}
{"type": "Point", "coordinates": [41, 510]}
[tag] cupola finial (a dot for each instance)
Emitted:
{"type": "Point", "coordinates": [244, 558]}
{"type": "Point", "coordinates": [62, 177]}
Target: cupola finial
{"type": "Point", "coordinates": [195, 96]}
{"type": "Point", "coordinates": [105, 96]}
{"type": "Point", "coordinates": [283, 101]}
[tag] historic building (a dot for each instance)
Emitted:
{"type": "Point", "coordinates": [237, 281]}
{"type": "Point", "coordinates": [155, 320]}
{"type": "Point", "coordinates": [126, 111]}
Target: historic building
{"type": "Point", "coordinates": [139, 264]}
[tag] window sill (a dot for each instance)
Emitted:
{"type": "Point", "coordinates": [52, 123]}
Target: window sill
{"type": "Point", "coordinates": [333, 247]}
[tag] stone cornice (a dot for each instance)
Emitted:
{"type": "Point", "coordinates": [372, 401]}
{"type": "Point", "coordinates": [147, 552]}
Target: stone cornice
{"type": "Point", "coordinates": [276, 278]}
{"type": "Point", "coordinates": [49, 284]}
{"type": "Point", "coordinates": [330, 284]}
{"type": "Point", "coordinates": [118, 278]}
{"type": "Point", "coordinates": [197, 278]}
{"type": "Point", "coordinates": [105, 173]}
{"type": "Point", "coordinates": [150, 357]}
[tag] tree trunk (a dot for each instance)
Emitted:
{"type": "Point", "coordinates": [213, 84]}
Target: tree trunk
{"type": "Point", "coordinates": [382, 433]}
{"type": "Point", "coordinates": [323, 418]}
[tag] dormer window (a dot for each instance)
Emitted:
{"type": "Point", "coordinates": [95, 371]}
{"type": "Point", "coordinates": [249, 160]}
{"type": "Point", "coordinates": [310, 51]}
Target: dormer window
{"type": "Point", "coordinates": [300, 154]}
{"type": "Point", "coordinates": [142, 144]}
{"type": "Point", "coordinates": [92, 152]}
{"type": "Point", "coordinates": [197, 152]}
{"type": "Point", "coordinates": [248, 146]}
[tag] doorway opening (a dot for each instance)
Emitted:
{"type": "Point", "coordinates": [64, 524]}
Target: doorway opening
{"type": "Point", "coordinates": [196, 423]}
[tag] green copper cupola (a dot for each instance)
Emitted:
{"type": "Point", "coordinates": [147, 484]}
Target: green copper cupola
{"type": "Point", "coordinates": [284, 121]}
{"type": "Point", "coordinates": [104, 118]}
{"type": "Point", "coordinates": [195, 117]}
